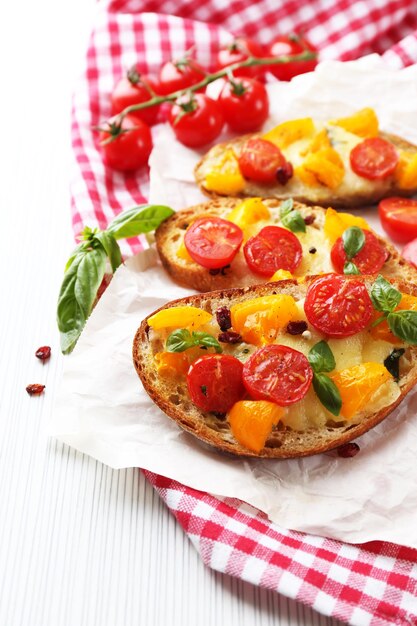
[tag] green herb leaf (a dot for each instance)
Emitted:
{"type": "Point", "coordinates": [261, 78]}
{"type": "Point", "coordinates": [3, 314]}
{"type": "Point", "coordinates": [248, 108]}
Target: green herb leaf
{"type": "Point", "coordinates": [181, 339]}
{"type": "Point", "coordinates": [384, 296]}
{"type": "Point", "coordinates": [404, 325]}
{"type": "Point", "coordinates": [353, 241]}
{"type": "Point", "coordinates": [291, 219]}
{"type": "Point", "coordinates": [206, 340]}
{"type": "Point", "coordinates": [77, 294]}
{"type": "Point", "coordinates": [327, 393]}
{"type": "Point", "coordinates": [350, 268]}
{"type": "Point", "coordinates": [321, 357]}
{"type": "Point", "coordinates": [286, 206]}
{"type": "Point", "coordinates": [138, 220]}
{"type": "Point", "coordinates": [111, 248]}
{"type": "Point", "coordinates": [392, 363]}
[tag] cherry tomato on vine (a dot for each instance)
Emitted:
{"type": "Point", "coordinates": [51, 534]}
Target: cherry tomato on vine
{"type": "Point", "coordinates": [215, 382]}
{"type": "Point", "coordinates": [245, 104]}
{"type": "Point", "coordinates": [260, 160]}
{"type": "Point", "coordinates": [273, 248]}
{"type": "Point", "coordinates": [135, 88]}
{"type": "Point", "coordinates": [236, 52]}
{"type": "Point", "coordinates": [369, 259]}
{"type": "Point", "coordinates": [179, 74]}
{"type": "Point", "coordinates": [213, 242]}
{"type": "Point", "coordinates": [196, 121]}
{"type": "Point", "coordinates": [128, 146]}
{"type": "Point", "coordinates": [337, 306]}
{"type": "Point", "coordinates": [399, 218]}
{"type": "Point", "coordinates": [290, 45]}
{"type": "Point", "coordinates": [374, 158]}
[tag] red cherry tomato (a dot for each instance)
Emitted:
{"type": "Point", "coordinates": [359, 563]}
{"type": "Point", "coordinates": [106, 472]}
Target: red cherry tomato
{"type": "Point", "coordinates": [369, 260]}
{"type": "Point", "coordinates": [215, 382]}
{"type": "Point", "coordinates": [278, 374]}
{"type": "Point", "coordinates": [273, 248]}
{"type": "Point", "coordinates": [213, 242]}
{"type": "Point", "coordinates": [245, 104]}
{"type": "Point", "coordinates": [181, 74]}
{"type": "Point", "coordinates": [337, 306]}
{"type": "Point", "coordinates": [260, 160]}
{"type": "Point", "coordinates": [127, 147]}
{"type": "Point", "coordinates": [374, 158]}
{"type": "Point", "coordinates": [410, 252]}
{"type": "Point", "coordinates": [399, 218]}
{"type": "Point", "coordinates": [290, 45]}
{"type": "Point", "coordinates": [134, 89]}
{"type": "Point", "coordinates": [236, 52]}
{"type": "Point", "coordinates": [199, 125]}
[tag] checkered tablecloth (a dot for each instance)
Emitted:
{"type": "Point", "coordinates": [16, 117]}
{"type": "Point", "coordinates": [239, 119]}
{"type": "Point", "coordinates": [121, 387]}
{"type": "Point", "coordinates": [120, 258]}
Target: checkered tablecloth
{"type": "Point", "coordinates": [370, 584]}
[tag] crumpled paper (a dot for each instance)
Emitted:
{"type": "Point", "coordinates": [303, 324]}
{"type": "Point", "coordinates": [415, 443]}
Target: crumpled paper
{"type": "Point", "coordinates": [102, 409]}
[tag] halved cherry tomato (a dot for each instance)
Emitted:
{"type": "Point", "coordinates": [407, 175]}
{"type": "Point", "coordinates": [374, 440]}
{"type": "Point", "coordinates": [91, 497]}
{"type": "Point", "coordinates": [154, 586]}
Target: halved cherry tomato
{"type": "Point", "coordinates": [369, 260]}
{"type": "Point", "coordinates": [236, 52]}
{"type": "Point", "coordinates": [196, 121]}
{"type": "Point", "coordinates": [126, 147]}
{"type": "Point", "coordinates": [180, 74]}
{"type": "Point", "coordinates": [399, 218]}
{"type": "Point", "coordinates": [245, 104]}
{"type": "Point", "coordinates": [135, 88]}
{"type": "Point", "coordinates": [338, 306]}
{"type": "Point", "coordinates": [273, 248]}
{"type": "Point", "coordinates": [374, 158]}
{"type": "Point", "coordinates": [215, 382]}
{"type": "Point", "coordinates": [410, 252]}
{"type": "Point", "coordinates": [260, 160]}
{"type": "Point", "coordinates": [213, 242]}
{"type": "Point", "coordinates": [290, 45]}
{"type": "Point", "coordinates": [277, 373]}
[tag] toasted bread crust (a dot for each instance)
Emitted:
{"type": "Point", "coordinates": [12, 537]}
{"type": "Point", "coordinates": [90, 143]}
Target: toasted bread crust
{"type": "Point", "coordinates": [304, 193]}
{"type": "Point", "coordinates": [171, 395]}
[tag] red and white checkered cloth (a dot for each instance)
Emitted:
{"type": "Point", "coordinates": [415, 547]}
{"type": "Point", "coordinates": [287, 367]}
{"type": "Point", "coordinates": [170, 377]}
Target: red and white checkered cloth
{"type": "Point", "coordinates": [373, 584]}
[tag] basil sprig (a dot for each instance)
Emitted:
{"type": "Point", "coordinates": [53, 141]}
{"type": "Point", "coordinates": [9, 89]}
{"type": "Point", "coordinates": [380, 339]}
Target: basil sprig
{"type": "Point", "coordinates": [181, 339]}
{"type": "Point", "coordinates": [353, 241]}
{"type": "Point", "coordinates": [86, 266]}
{"type": "Point", "coordinates": [291, 218]}
{"type": "Point", "coordinates": [322, 360]}
{"type": "Point", "coordinates": [386, 298]}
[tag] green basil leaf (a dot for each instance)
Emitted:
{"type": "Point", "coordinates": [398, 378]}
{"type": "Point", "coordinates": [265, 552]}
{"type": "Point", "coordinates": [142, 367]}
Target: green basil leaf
{"type": "Point", "coordinates": [392, 363]}
{"type": "Point", "coordinates": [321, 358]}
{"type": "Point", "coordinates": [179, 340]}
{"type": "Point", "coordinates": [327, 393]}
{"type": "Point", "coordinates": [111, 248]}
{"type": "Point", "coordinates": [384, 296]}
{"type": "Point", "coordinates": [294, 222]}
{"type": "Point", "coordinates": [285, 207]}
{"type": "Point", "coordinates": [139, 220]}
{"type": "Point", "coordinates": [350, 268]}
{"type": "Point", "coordinates": [404, 325]}
{"type": "Point", "coordinates": [205, 339]}
{"type": "Point", "coordinates": [353, 241]}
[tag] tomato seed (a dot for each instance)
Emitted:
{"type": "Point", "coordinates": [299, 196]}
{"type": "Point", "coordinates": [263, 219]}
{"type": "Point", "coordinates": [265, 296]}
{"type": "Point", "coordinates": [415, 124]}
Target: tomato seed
{"type": "Point", "coordinates": [43, 353]}
{"type": "Point", "coordinates": [35, 389]}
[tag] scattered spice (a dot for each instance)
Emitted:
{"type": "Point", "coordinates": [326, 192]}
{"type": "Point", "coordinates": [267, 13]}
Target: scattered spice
{"type": "Point", "coordinates": [43, 353]}
{"type": "Point", "coordinates": [229, 336]}
{"type": "Point", "coordinates": [297, 328]}
{"type": "Point", "coordinates": [224, 318]}
{"type": "Point", "coordinates": [312, 250]}
{"type": "Point", "coordinates": [284, 173]}
{"type": "Point", "coordinates": [35, 389]}
{"type": "Point", "coordinates": [348, 450]}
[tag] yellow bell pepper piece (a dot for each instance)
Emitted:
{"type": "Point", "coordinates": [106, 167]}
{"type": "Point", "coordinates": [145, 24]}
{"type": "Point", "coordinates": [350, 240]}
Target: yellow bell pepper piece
{"type": "Point", "coordinates": [225, 177]}
{"type": "Point", "coordinates": [325, 167]}
{"type": "Point", "coordinates": [249, 212]}
{"type": "Point", "coordinates": [336, 223]}
{"type": "Point", "coordinates": [252, 421]}
{"type": "Point", "coordinates": [381, 330]}
{"type": "Point", "coordinates": [172, 364]}
{"type": "Point", "coordinates": [363, 123]}
{"type": "Point", "coordinates": [319, 142]}
{"type": "Point", "coordinates": [289, 132]}
{"type": "Point", "coordinates": [358, 384]}
{"type": "Point", "coordinates": [405, 174]}
{"type": "Point", "coordinates": [259, 320]}
{"type": "Point", "coordinates": [182, 253]}
{"type": "Point", "coordinates": [308, 178]}
{"type": "Point", "coordinates": [180, 317]}
{"type": "Point", "coordinates": [281, 275]}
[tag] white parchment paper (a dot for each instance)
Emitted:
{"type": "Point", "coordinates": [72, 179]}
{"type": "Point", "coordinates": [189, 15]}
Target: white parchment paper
{"type": "Point", "coordinates": [102, 409]}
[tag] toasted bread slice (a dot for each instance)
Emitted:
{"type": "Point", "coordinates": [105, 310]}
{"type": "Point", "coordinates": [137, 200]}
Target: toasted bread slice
{"type": "Point", "coordinates": [316, 248]}
{"type": "Point", "coordinates": [315, 430]}
{"type": "Point", "coordinates": [352, 191]}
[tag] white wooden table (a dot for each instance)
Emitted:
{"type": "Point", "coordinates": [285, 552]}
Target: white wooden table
{"type": "Point", "coordinates": [80, 544]}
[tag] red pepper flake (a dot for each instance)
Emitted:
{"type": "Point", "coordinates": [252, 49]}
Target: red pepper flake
{"type": "Point", "coordinates": [35, 389]}
{"type": "Point", "coordinates": [43, 353]}
{"type": "Point", "coordinates": [348, 450]}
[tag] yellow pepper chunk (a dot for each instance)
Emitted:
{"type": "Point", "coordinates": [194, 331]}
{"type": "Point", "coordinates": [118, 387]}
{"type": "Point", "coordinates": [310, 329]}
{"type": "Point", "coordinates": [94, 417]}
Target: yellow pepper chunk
{"type": "Point", "coordinates": [324, 167]}
{"type": "Point", "coordinates": [258, 321]}
{"type": "Point", "coordinates": [182, 253]}
{"type": "Point", "coordinates": [381, 330]}
{"type": "Point", "coordinates": [248, 212]}
{"type": "Point", "coordinates": [363, 123]}
{"type": "Point", "coordinates": [252, 421]}
{"type": "Point", "coordinates": [357, 385]}
{"type": "Point", "coordinates": [225, 177]}
{"type": "Point", "coordinates": [179, 316]}
{"type": "Point", "coordinates": [281, 275]}
{"type": "Point", "coordinates": [289, 132]}
{"type": "Point", "coordinates": [336, 223]}
{"type": "Point", "coordinates": [171, 364]}
{"type": "Point", "coordinates": [406, 171]}
{"type": "Point", "coordinates": [308, 178]}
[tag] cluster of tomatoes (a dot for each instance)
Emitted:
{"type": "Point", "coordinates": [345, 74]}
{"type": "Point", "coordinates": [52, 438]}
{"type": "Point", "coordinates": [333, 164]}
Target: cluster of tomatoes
{"type": "Point", "coordinates": [195, 118]}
